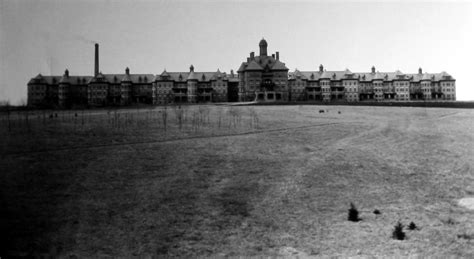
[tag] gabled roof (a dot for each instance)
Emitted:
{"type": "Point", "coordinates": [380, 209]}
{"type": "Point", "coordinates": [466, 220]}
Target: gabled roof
{"type": "Point", "coordinates": [262, 63]}
{"type": "Point", "coordinates": [49, 80]}
{"type": "Point", "coordinates": [378, 76]}
{"type": "Point", "coordinates": [100, 78]}
{"type": "Point", "coordinates": [253, 65]}
{"type": "Point", "coordinates": [443, 76]}
{"type": "Point", "coordinates": [279, 66]}
{"type": "Point", "coordinates": [164, 73]}
{"type": "Point", "coordinates": [64, 80]}
{"type": "Point", "coordinates": [367, 76]}
{"type": "Point", "coordinates": [242, 67]}
{"type": "Point", "coordinates": [425, 77]}
{"type": "Point", "coordinates": [192, 76]}
{"type": "Point", "coordinates": [39, 79]}
{"type": "Point", "coordinates": [326, 75]}
{"type": "Point", "coordinates": [198, 76]}
{"type": "Point", "coordinates": [217, 75]}
{"type": "Point", "coordinates": [126, 78]}
{"type": "Point", "coordinates": [299, 75]}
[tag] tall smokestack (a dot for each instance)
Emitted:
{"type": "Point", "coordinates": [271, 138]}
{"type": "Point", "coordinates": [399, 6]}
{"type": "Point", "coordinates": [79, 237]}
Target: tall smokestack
{"type": "Point", "coordinates": [96, 64]}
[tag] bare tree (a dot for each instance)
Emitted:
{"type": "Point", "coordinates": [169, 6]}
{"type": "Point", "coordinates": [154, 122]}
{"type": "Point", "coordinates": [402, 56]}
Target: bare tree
{"type": "Point", "coordinates": [5, 105]}
{"type": "Point", "coordinates": [23, 102]}
{"type": "Point", "coordinates": [253, 118]}
{"type": "Point", "coordinates": [235, 117]}
{"type": "Point", "coordinates": [179, 115]}
{"type": "Point", "coordinates": [164, 116]}
{"type": "Point", "coordinates": [219, 117]}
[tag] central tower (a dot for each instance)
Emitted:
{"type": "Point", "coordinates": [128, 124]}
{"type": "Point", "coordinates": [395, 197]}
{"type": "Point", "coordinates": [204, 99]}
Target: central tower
{"type": "Point", "coordinates": [264, 77]}
{"type": "Point", "coordinates": [263, 47]}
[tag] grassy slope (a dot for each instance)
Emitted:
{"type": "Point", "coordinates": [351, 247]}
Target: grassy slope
{"type": "Point", "coordinates": [281, 192]}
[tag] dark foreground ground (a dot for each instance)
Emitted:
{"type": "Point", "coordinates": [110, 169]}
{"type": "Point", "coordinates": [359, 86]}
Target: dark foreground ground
{"type": "Point", "coordinates": [240, 181]}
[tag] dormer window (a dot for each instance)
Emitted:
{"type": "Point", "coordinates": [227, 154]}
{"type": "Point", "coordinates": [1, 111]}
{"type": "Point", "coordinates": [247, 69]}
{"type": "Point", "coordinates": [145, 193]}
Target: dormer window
{"type": "Point", "coordinates": [146, 79]}
{"type": "Point", "coordinates": [180, 77]}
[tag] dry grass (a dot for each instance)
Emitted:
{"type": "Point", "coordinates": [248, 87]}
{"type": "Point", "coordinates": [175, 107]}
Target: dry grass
{"type": "Point", "coordinates": [240, 181]}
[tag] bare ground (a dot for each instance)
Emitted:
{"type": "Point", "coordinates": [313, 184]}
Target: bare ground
{"type": "Point", "coordinates": [279, 187]}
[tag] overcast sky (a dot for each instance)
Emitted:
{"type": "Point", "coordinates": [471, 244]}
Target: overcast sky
{"type": "Point", "coordinates": [148, 36]}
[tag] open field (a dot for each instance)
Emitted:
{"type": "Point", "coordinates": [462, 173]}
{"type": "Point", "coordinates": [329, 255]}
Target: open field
{"type": "Point", "coordinates": [237, 181]}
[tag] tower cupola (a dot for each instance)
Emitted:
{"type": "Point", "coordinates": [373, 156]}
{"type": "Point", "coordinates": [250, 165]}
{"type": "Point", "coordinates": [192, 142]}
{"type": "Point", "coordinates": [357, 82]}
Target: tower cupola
{"type": "Point", "coordinates": [263, 47]}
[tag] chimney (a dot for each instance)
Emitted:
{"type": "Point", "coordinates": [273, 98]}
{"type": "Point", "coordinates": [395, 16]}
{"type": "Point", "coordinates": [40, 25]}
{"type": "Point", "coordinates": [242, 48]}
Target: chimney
{"type": "Point", "coordinates": [66, 73]}
{"type": "Point", "coordinates": [277, 55]}
{"type": "Point", "coordinates": [321, 68]}
{"type": "Point", "coordinates": [248, 60]}
{"type": "Point", "coordinates": [273, 55]}
{"type": "Point", "coordinates": [252, 55]}
{"type": "Point", "coordinates": [373, 70]}
{"type": "Point", "coordinates": [96, 64]}
{"type": "Point", "coordinates": [420, 71]}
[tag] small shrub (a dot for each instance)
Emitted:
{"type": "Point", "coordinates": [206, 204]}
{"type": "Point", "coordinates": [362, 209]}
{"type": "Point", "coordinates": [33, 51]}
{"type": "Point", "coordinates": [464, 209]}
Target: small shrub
{"type": "Point", "coordinates": [449, 221]}
{"type": "Point", "coordinates": [466, 236]}
{"type": "Point", "coordinates": [353, 214]}
{"type": "Point", "coordinates": [412, 226]}
{"type": "Point", "coordinates": [377, 212]}
{"type": "Point", "coordinates": [398, 232]}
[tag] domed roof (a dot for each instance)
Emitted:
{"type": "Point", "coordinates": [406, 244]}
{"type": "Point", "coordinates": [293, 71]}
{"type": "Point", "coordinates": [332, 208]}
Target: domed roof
{"type": "Point", "coordinates": [263, 42]}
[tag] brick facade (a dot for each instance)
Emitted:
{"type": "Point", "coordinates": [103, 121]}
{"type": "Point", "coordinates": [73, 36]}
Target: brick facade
{"type": "Point", "coordinates": [260, 78]}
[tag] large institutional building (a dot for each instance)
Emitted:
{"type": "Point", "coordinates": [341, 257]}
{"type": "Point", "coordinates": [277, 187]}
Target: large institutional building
{"type": "Point", "coordinates": [262, 78]}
